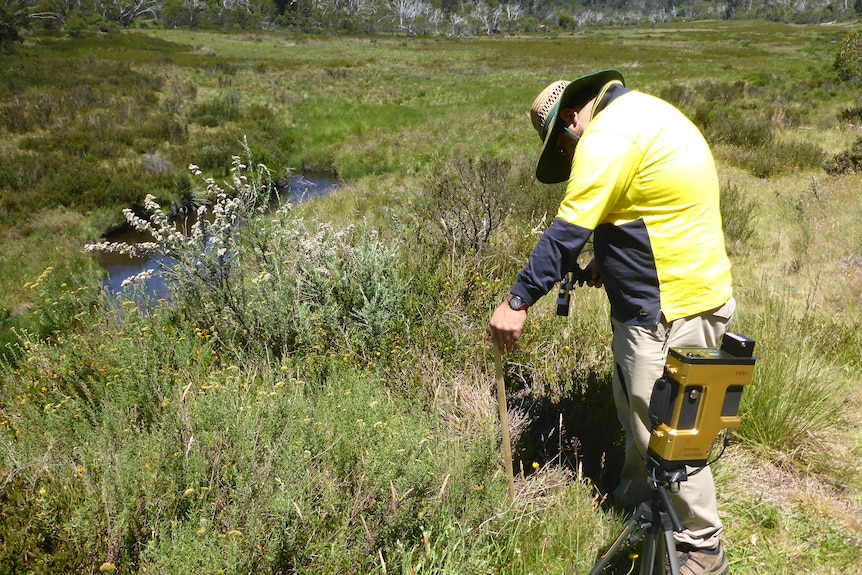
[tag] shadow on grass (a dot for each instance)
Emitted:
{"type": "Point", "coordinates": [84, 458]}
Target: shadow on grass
{"type": "Point", "coordinates": [579, 430]}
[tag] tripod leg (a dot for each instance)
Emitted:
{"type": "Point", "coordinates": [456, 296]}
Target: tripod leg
{"type": "Point", "coordinates": [655, 549]}
{"type": "Point", "coordinates": [670, 550]}
{"type": "Point", "coordinates": [648, 555]}
{"type": "Point", "coordinates": [604, 559]}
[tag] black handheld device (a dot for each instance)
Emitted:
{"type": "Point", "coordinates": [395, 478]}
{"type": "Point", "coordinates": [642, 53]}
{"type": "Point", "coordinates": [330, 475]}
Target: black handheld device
{"type": "Point", "coordinates": [567, 284]}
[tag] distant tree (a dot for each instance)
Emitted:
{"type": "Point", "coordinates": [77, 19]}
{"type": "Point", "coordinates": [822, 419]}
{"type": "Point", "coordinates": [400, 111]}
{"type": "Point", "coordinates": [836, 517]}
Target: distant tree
{"type": "Point", "coordinates": [10, 25]}
{"type": "Point", "coordinates": [124, 12]}
{"type": "Point", "coordinates": [485, 16]}
{"type": "Point", "coordinates": [406, 13]}
{"type": "Point", "coordinates": [296, 14]}
{"type": "Point", "coordinates": [50, 14]}
{"type": "Point", "coordinates": [511, 15]}
{"type": "Point", "coordinates": [182, 13]}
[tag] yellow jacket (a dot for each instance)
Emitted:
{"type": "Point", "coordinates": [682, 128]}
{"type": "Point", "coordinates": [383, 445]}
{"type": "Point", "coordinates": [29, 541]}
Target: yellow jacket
{"type": "Point", "coordinates": [643, 182]}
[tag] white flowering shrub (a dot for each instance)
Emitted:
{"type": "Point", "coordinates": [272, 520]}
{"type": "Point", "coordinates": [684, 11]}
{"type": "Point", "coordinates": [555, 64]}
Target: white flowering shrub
{"type": "Point", "coordinates": [203, 262]}
{"type": "Point", "coordinates": [270, 279]}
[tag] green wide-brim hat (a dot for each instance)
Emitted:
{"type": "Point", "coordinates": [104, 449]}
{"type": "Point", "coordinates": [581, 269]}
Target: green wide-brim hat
{"type": "Point", "coordinates": [554, 167]}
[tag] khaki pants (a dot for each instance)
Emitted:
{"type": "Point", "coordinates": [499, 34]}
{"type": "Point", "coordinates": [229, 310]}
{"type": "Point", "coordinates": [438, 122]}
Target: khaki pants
{"type": "Point", "coordinates": [639, 355]}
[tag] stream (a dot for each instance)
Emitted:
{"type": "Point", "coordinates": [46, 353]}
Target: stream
{"type": "Point", "coordinates": [120, 267]}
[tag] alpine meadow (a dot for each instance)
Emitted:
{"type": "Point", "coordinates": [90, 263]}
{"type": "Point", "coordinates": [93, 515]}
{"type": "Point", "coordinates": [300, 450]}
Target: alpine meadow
{"type": "Point", "coordinates": [314, 394]}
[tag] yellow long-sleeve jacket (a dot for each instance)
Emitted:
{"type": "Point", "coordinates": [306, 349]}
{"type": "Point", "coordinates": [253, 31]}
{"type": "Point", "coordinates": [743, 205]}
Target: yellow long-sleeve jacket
{"type": "Point", "coordinates": [644, 184]}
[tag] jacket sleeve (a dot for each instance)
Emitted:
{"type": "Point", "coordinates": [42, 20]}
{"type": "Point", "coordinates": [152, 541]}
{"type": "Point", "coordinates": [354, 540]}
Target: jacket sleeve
{"type": "Point", "coordinates": [555, 254]}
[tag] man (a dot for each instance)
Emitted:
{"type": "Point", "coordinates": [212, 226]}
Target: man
{"type": "Point", "coordinates": [642, 182]}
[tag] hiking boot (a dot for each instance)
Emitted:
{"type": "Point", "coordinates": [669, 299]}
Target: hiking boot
{"type": "Point", "coordinates": [702, 562]}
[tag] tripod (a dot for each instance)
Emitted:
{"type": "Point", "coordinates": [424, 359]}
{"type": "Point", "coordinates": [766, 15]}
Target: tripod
{"type": "Point", "coordinates": [654, 521]}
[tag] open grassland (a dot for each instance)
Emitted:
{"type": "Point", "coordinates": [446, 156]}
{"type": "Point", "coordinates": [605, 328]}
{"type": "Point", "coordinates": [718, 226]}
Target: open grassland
{"type": "Point", "coordinates": [317, 398]}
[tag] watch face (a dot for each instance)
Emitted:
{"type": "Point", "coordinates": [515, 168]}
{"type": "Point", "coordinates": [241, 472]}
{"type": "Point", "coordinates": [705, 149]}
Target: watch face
{"type": "Point", "coordinates": [516, 303]}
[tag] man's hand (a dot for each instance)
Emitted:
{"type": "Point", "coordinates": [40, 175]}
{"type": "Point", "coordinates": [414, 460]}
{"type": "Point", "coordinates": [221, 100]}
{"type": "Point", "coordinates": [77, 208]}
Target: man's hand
{"type": "Point", "coordinates": [593, 271]}
{"type": "Point", "coordinates": [505, 328]}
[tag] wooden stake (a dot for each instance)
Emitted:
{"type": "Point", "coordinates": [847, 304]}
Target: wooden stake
{"type": "Point", "coordinates": [504, 420]}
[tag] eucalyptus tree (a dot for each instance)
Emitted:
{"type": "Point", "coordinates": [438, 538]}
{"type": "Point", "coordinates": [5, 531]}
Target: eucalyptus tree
{"type": "Point", "coordinates": [406, 14]}
{"type": "Point", "coordinates": [124, 12]}
{"type": "Point", "coordinates": [9, 24]}
{"type": "Point", "coordinates": [486, 17]}
{"type": "Point", "coordinates": [180, 13]}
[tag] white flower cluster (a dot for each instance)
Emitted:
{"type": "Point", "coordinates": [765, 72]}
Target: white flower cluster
{"type": "Point", "coordinates": [211, 238]}
{"type": "Point", "coordinates": [129, 250]}
{"type": "Point", "coordinates": [138, 278]}
{"type": "Point", "coordinates": [324, 245]}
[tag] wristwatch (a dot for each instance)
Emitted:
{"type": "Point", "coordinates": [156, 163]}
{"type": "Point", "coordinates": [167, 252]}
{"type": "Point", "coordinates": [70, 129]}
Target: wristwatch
{"type": "Point", "coordinates": [516, 303]}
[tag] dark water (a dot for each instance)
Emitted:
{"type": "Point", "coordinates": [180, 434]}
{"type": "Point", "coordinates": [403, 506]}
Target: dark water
{"type": "Point", "coordinates": [120, 267]}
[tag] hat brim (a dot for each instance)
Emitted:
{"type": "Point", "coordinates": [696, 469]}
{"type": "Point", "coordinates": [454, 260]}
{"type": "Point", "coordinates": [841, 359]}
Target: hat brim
{"type": "Point", "coordinates": [554, 167]}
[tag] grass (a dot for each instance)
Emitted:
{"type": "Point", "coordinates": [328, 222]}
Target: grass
{"type": "Point", "coordinates": [320, 400]}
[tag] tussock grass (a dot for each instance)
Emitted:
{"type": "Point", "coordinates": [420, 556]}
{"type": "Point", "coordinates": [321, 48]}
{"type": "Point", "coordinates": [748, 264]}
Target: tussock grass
{"type": "Point", "coordinates": [797, 402]}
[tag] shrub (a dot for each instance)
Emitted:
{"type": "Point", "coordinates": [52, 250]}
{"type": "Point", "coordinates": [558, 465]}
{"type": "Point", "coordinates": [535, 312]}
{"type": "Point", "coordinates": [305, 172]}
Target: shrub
{"type": "Point", "coordinates": [211, 114]}
{"type": "Point", "coordinates": [8, 28]}
{"type": "Point", "coordinates": [740, 131]}
{"type": "Point", "coordinates": [133, 444]}
{"type": "Point", "coordinates": [851, 115]}
{"type": "Point", "coordinates": [782, 157]}
{"type": "Point", "coordinates": [848, 60]}
{"type": "Point", "coordinates": [150, 436]}
{"type": "Point", "coordinates": [848, 161]}
{"type": "Point", "coordinates": [57, 309]}
{"type": "Point", "coordinates": [534, 200]}
{"type": "Point", "coordinates": [706, 100]}
{"type": "Point", "coordinates": [84, 123]}
{"type": "Point", "coordinates": [214, 153]}
{"type": "Point", "coordinates": [18, 117]}
{"type": "Point", "coordinates": [467, 201]}
{"type": "Point", "coordinates": [157, 128]}
{"type": "Point", "coordinates": [679, 95]}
